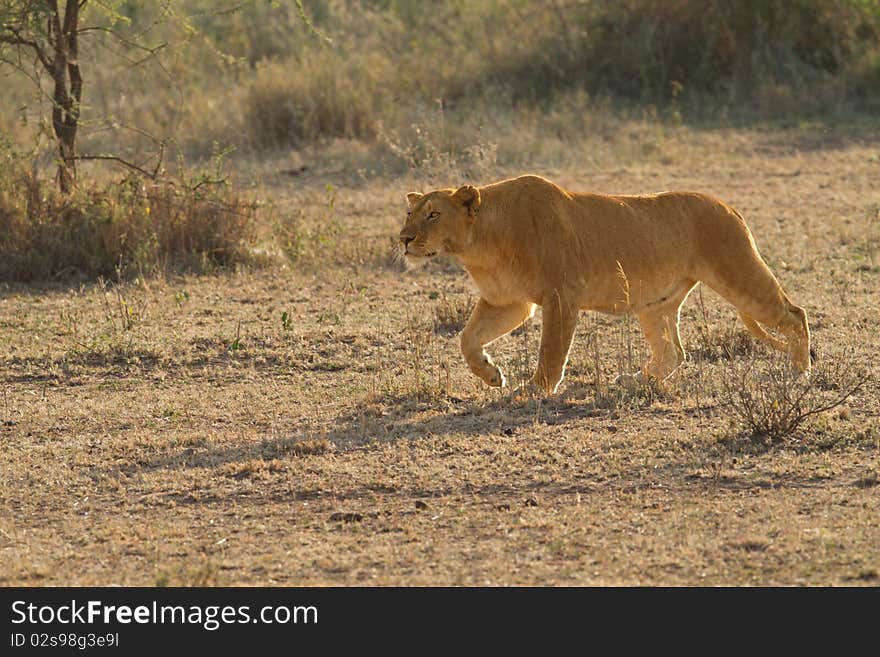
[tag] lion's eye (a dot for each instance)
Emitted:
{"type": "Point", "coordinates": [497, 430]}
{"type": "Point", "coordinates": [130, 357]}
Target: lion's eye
{"type": "Point", "coordinates": [433, 216]}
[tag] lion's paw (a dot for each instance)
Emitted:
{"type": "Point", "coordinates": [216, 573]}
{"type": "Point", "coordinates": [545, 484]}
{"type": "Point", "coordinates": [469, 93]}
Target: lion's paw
{"type": "Point", "coordinates": [489, 372]}
{"type": "Point", "coordinates": [528, 390]}
{"type": "Point", "coordinates": [496, 379]}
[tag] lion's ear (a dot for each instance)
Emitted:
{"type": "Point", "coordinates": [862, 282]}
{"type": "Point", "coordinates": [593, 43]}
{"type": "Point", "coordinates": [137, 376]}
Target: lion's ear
{"type": "Point", "coordinates": [468, 196]}
{"type": "Point", "coordinates": [413, 197]}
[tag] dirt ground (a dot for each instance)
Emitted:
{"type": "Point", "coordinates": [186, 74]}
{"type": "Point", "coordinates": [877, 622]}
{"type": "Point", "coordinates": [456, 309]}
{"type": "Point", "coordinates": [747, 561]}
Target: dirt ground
{"type": "Point", "coordinates": [314, 424]}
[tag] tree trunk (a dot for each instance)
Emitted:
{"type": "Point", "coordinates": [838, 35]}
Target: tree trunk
{"type": "Point", "coordinates": [68, 88]}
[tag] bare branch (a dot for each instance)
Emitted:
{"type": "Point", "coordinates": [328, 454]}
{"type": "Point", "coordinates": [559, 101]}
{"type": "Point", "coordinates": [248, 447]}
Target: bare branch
{"type": "Point", "coordinates": [141, 132]}
{"type": "Point", "coordinates": [123, 161]}
{"type": "Point", "coordinates": [837, 401]}
{"type": "Point", "coordinates": [209, 181]}
{"type": "Point", "coordinates": [159, 159]}
{"type": "Point", "coordinates": [33, 75]}
{"type": "Point", "coordinates": [14, 38]}
{"type": "Point", "coordinates": [134, 38]}
{"type": "Point", "coordinates": [130, 42]}
{"type": "Point", "coordinates": [134, 63]}
{"type": "Point", "coordinates": [151, 52]}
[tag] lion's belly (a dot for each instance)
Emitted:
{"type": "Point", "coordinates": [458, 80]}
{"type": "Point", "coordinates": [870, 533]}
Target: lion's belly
{"type": "Point", "coordinates": [616, 283]}
{"type": "Point", "coordinates": [506, 289]}
{"type": "Point", "coordinates": [616, 278]}
{"type": "Point", "coordinates": [621, 302]}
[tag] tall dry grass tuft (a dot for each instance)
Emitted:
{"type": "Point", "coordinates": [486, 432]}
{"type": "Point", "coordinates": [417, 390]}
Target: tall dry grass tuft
{"type": "Point", "coordinates": [122, 228]}
{"type": "Point", "coordinates": [317, 96]}
{"type": "Point", "coordinates": [726, 342]}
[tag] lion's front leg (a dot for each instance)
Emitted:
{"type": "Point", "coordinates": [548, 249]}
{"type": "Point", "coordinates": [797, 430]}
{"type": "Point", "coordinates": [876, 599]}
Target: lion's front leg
{"type": "Point", "coordinates": [488, 323]}
{"type": "Point", "coordinates": [557, 331]}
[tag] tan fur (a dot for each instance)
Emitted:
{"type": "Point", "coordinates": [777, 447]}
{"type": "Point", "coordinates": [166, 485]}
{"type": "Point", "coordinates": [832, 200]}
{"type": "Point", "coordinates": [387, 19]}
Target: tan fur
{"type": "Point", "coordinates": [528, 242]}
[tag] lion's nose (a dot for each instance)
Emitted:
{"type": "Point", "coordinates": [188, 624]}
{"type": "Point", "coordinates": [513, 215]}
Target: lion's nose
{"type": "Point", "coordinates": [405, 240]}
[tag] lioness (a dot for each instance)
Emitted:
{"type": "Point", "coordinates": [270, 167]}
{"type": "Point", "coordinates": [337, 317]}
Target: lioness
{"type": "Point", "coordinates": [528, 242]}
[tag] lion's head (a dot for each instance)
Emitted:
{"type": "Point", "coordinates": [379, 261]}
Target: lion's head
{"type": "Point", "coordinates": [438, 222]}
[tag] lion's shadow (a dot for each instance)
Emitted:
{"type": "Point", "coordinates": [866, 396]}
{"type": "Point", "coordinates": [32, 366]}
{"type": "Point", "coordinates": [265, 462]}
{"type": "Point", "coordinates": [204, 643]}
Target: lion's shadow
{"type": "Point", "coordinates": [393, 418]}
{"type": "Point", "coordinates": [417, 420]}
{"type": "Point", "coordinates": [507, 414]}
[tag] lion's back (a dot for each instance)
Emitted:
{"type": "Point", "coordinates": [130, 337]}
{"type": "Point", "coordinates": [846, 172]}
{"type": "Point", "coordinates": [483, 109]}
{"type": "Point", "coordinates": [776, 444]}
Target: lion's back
{"type": "Point", "coordinates": [556, 237]}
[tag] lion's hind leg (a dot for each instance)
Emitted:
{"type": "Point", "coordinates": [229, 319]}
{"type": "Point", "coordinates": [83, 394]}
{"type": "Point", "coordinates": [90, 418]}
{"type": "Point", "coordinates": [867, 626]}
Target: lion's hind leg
{"type": "Point", "coordinates": [756, 294]}
{"type": "Point", "coordinates": [758, 331]}
{"type": "Point", "coordinates": [790, 320]}
{"type": "Point", "coordinates": [776, 313]}
{"type": "Point", "coordinates": [659, 323]}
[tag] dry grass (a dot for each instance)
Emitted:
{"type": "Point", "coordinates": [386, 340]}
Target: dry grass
{"type": "Point", "coordinates": [452, 313]}
{"type": "Point", "coordinates": [307, 425]}
{"type": "Point", "coordinates": [289, 104]}
{"type": "Point", "coordinates": [119, 229]}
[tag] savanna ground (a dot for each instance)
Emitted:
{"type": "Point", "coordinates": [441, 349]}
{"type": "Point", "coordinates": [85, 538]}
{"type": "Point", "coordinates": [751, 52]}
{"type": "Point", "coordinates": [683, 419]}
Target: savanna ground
{"type": "Point", "coordinates": [314, 424]}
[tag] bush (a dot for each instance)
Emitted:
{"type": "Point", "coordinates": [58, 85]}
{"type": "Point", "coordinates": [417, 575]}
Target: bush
{"type": "Point", "coordinates": [130, 226]}
{"type": "Point", "coordinates": [768, 401]}
{"type": "Point", "coordinates": [319, 95]}
{"type": "Point", "coordinates": [766, 56]}
{"type": "Point", "coordinates": [641, 47]}
{"type": "Point", "coordinates": [733, 50]}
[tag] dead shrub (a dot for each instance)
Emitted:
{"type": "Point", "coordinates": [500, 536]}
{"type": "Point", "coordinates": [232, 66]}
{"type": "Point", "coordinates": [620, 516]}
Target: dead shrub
{"type": "Point", "coordinates": [768, 401]}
